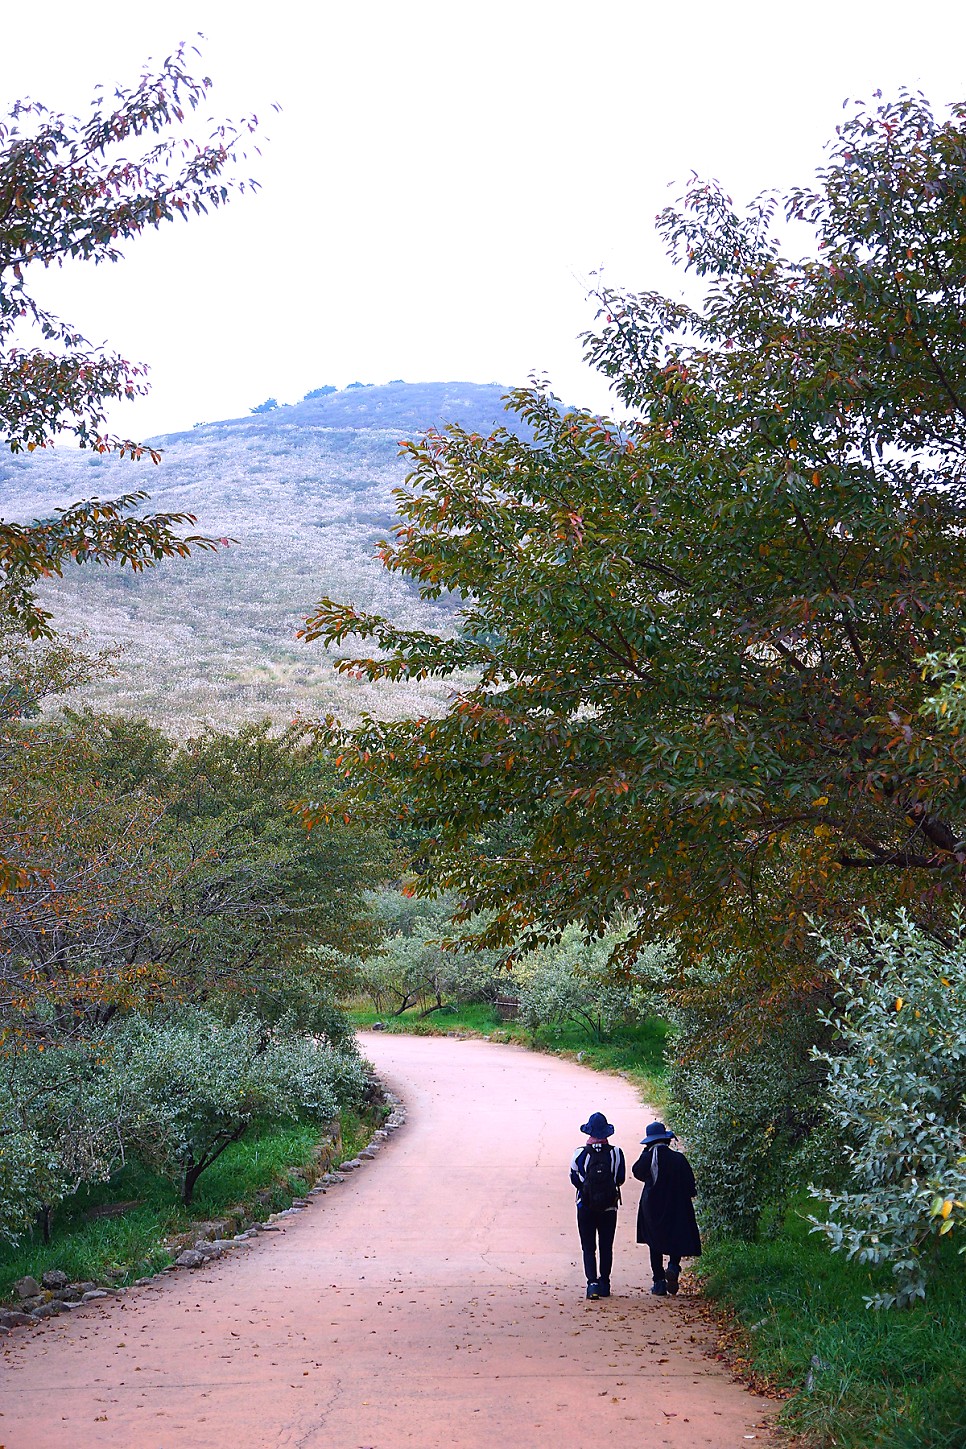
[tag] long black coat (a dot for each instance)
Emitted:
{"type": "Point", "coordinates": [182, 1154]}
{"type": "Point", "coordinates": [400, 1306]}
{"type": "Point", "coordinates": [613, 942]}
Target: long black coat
{"type": "Point", "coordinates": [665, 1217]}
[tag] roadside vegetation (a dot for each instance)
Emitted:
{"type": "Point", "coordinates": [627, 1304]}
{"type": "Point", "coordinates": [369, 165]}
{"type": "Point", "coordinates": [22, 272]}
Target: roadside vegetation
{"type": "Point", "coordinates": [169, 1022]}
{"type": "Point", "coordinates": [716, 732]}
{"type": "Point", "coordinates": [798, 1316]}
{"type": "Point", "coordinates": [116, 1231]}
{"type": "Point", "coordinates": [688, 771]}
{"type": "Point", "coordinates": [170, 982]}
{"type": "Point", "coordinates": [426, 979]}
{"type": "Point", "coordinates": [856, 1378]}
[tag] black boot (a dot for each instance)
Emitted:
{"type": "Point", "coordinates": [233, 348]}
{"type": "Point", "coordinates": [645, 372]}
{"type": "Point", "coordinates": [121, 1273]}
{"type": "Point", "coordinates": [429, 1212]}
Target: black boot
{"type": "Point", "coordinates": [603, 1288]}
{"type": "Point", "coordinates": [660, 1288]}
{"type": "Point", "coordinates": [673, 1275]}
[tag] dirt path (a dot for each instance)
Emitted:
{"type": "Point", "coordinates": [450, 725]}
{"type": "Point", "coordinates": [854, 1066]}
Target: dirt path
{"type": "Point", "coordinates": [435, 1298]}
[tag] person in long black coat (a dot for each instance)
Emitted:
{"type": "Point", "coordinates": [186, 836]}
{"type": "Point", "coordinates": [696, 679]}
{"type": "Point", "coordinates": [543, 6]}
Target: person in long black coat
{"type": "Point", "coordinates": [665, 1216]}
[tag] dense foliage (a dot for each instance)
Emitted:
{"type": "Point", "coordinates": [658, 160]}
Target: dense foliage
{"type": "Point", "coordinates": [755, 1117]}
{"type": "Point", "coordinates": [897, 1096]}
{"type": "Point", "coordinates": [696, 637]}
{"type": "Point", "coordinates": [163, 874]}
{"type": "Point", "coordinates": [170, 972]}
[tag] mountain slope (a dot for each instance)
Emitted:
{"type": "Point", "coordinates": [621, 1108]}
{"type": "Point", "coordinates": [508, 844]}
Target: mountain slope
{"type": "Point", "coordinates": [306, 491]}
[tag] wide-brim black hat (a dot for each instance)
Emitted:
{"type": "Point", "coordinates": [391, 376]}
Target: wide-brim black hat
{"type": "Point", "coordinates": [597, 1125]}
{"type": "Point", "coordinates": [657, 1134]}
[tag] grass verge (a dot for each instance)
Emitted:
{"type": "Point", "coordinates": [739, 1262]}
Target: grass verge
{"type": "Point", "coordinates": [115, 1232]}
{"type": "Point", "coordinates": [893, 1380]}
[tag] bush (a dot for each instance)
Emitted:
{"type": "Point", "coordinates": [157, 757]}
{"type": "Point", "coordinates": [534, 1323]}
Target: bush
{"type": "Point", "coordinates": [64, 1122]}
{"type": "Point", "coordinates": [414, 970]}
{"type": "Point", "coordinates": [897, 1092]}
{"type": "Point", "coordinates": [202, 1083]}
{"type": "Point", "coordinates": [748, 1109]}
{"type": "Point", "coordinates": [573, 980]}
{"type": "Point", "coordinates": [411, 967]}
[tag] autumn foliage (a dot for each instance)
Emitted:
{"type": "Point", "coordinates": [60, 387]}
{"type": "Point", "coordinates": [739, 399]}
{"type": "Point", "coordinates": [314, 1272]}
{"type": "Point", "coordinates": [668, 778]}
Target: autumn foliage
{"type": "Point", "coordinates": [697, 635]}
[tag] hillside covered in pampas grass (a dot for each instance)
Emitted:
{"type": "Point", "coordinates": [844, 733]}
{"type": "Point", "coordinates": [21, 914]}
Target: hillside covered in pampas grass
{"type": "Point", "coordinates": [305, 491]}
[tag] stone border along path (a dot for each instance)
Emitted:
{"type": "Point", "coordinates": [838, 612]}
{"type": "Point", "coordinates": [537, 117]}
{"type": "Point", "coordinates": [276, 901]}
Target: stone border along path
{"type": "Point", "coordinates": [56, 1294]}
{"type": "Point", "coordinates": [434, 1300]}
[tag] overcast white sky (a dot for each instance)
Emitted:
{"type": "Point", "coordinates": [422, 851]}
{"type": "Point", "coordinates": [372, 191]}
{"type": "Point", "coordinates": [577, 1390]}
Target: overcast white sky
{"type": "Point", "coordinates": [443, 177]}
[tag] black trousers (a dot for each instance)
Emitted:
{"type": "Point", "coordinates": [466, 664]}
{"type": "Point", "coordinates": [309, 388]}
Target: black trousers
{"type": "Point", "coordinates": [657, 1264]}
{"type": "Point", "coordinates": [597, 1225]}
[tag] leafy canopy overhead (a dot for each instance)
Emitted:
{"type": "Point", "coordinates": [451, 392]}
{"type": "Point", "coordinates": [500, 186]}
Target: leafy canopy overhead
{"type": "Point", "coordinates": [697, 635]}
{"type": "Point", "coordinates": [76, 190]}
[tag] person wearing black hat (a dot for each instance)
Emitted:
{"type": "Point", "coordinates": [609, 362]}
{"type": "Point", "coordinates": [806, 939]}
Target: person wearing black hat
{"type": "Point", "coordinates": [665, 1217]}
{"type": "Point", "coordinates": [597, 1171]}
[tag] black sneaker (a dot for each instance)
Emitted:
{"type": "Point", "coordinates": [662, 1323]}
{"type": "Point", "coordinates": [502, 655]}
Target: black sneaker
{"type": "Point", "coordinates": [673, 1275]}
{"type": "Point", "coordinates": [593, 1290]}
{"type": "Point", "coordinates": [603, 1288]}
{"type": "Point", "coordinates": [660, 1288]}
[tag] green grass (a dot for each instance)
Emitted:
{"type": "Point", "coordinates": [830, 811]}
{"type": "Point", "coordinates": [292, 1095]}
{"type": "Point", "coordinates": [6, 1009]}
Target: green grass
{"type": "Point", "coordinates": [893, 1380]}
{"type": "Point", "coordinates": [356, 1132]}
{"type": "Point", "coordinates": [259, 1175]}
{"type": "Point", "coordinates": [637, 1052]}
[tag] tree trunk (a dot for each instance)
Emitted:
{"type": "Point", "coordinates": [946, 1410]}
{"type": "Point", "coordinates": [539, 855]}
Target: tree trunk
{"type": "Point", "coordinates": [191, 1175]}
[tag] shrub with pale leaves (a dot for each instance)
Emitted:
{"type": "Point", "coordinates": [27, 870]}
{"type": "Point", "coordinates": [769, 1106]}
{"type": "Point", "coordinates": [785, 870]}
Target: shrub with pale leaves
{"type": "Point", "coordinates": [572, 980]}
{"type": "Point", "coordinates": [897, 1092]}
{"type": "Point", "coordinates": [64, 1119]}
{"type": "Point", "coordinates": [202, 1082]}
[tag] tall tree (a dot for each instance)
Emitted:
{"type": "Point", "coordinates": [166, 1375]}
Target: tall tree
{"type": "Point", "coordinates": [697, 635]}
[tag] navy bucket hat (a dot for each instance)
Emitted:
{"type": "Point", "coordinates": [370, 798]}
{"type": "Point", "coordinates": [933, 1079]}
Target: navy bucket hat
{"type": "Point", "coordinates": [597, 1125]}
{"type": "Point", "coordinates": [657, 1134]}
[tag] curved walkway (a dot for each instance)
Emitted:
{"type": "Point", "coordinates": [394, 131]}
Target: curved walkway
{"type": "Point", "coordinates": [435, 1298]}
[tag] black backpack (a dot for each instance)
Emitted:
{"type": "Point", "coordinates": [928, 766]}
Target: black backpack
{"type": "Point", "coordinates": [599, 1189]}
